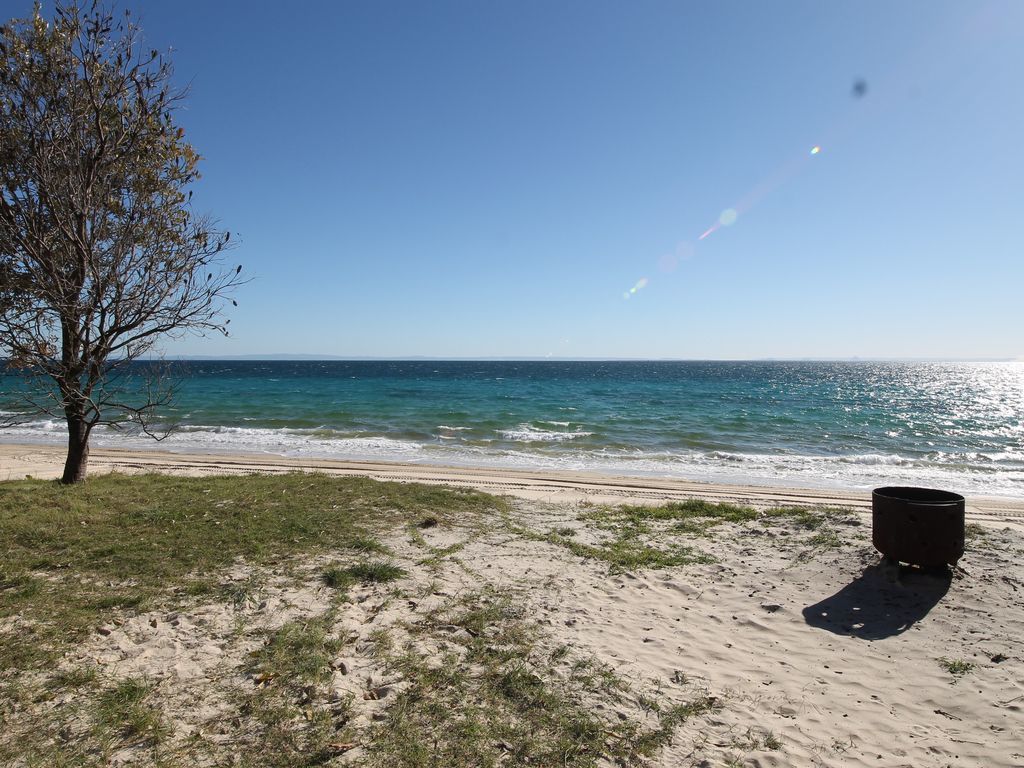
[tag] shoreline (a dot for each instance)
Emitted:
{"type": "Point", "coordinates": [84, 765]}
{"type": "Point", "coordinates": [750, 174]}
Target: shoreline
{"type": "Point", "coordinates": [46, 461]}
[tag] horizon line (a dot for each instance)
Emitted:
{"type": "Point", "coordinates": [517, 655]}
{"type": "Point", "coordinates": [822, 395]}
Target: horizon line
{"type": "Point", "coordinates": [290, 357]}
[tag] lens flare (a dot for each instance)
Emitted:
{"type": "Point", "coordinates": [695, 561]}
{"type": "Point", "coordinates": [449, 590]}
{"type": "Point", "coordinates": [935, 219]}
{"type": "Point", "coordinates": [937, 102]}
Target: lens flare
{"type": "Point", "coordinates": [640, 285]}
{"type": "Point", "coordinates": [669, 262]}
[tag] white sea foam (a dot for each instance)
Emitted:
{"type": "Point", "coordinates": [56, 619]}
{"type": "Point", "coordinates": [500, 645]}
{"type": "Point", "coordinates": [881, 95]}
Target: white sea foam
{"type": "Point", "coordinates": [297, 442]}
{"type": "Point", "coordinates": [453, 429]}
{"type": "Point", "coordinates": [877, 460]}
{"type": "Point", "coordinates": [30, 428]}
{"type": "Point", "coordinates": [527, 433]}
{"type": "Point", "coordinates": [1000, 474]}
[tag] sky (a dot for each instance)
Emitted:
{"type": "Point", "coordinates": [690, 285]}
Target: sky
{"type": "Point", "coordinates": [533, 178]}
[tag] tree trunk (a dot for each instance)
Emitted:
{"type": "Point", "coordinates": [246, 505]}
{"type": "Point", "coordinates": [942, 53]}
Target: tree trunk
{"type": "Point", "coordinates": [78, 450]}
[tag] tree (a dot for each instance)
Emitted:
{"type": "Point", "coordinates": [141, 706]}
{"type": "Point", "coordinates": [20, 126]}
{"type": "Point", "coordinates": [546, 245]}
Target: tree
{"type": "Point", "coordinates": [101, 255]}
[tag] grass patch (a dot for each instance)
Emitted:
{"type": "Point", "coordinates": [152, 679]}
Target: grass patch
{"type": "Point", "coordinates": [337, 578]}
{"type": "Point", "coordinates": [956, 667]}
{"type": "Point", "coordinates": [366, 572]}
{"type": "Point", "coordinates": [374, 572]}
{"type": "Point", "coordinates": [629, 552]}
{"type": "Point", "coordinates": [286, 719]}
{"type": "Point", "coordinates": [367, 545]}
{"type": "Point", "coordinates": [699, 516]}
{"type": "Point", "coordinates": [503, 700]}
{"type": "Point", "coordinates": [756, 739]}
{"type": "Point", "coordinates": [826, 540]}
{"type": "Point", "coordinates": [75, 555]}
{"type": "Point", "coordinates": [239, 593]}
{"type": "Point", "coordinates": [688, 510]}
{"type": "Point", "coordinates": [200, 587]}
{"type": "Point", "coordinates": [640, 537]}
{"type": "Point", "coordinates": [645, 743]}
{"type": "Point", "coordinates": [75, 677]}
{"type": "Point", "coordinates": [980, 537]}
{"type": "Point", "coordinates": [298, 653]}
{"type": "Point", "coordinates": [559, 653]}
{"type": "Point", "coordinates": [73, 558]}
{"type": "Point", "coordinates": [123, 711]}
{"type": "Point", "coordinates": [18, 586]}
{"type": "Point", "coordinates": [975, 531]}
{"type": "Point", "coordinates": [123, 601]}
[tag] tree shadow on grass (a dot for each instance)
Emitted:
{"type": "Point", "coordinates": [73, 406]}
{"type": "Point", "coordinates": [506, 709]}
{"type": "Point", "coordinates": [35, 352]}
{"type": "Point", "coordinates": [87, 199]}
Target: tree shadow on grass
{"type": "Point", "coordinates": [885, 600]}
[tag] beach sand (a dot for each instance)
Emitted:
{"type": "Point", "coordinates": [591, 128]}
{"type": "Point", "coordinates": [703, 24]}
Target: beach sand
{"type": "Point", "coordinates": [43, 461]}
{"type": "Point", "coordinates": [815, 653]}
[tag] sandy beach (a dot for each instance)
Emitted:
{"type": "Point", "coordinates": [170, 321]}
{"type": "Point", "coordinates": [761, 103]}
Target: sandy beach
{"type": "Point", "coordinates": [42, 461]}
{"type": "Point", "coordinates": [511, 385]}
{"type": "Point", "coordinates": [813, 653]}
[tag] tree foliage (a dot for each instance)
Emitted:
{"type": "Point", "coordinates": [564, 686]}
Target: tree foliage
{"type": "Point", "coordinates": [101, 254]}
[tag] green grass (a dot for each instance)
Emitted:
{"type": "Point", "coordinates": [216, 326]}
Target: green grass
{"type": "Point", "coordinates": [123, 710]}
{"type": "Point", "coordinates": [298, 653]}
{"type": "Point", "coordinates": [284, 720]}
{"type": "Point", "coordinates": [75, 558]}
{"type": "Point", "coordinates": [337, 578]}
{"type": "Point", "coordinates": [503, 700]}
{"type": "Point", "coordinates": [642, 537]}
{"type": "Point", "coordinates": [481, 685]}
{"type": "Point", "coordinates": [366, 572]}
{"type": "Point", "coordinates": [75, 677]}
{"type": "Point", "coordinates": [956, 667]}
{"type": "Point", "coordinates": [698, 515]}
{"type": "Point", "coordinates": [637, 534]}
{"type": "Point", "coordinates": [826, 540]}
{"type": "Point", "coordinates": [629, 552]}
{"type": "Point", "coordinates": [366, 545]}
{"type": "Point", "coordinates": [375, 572]}
{"type": "Point", "coordinates": [75, 555]}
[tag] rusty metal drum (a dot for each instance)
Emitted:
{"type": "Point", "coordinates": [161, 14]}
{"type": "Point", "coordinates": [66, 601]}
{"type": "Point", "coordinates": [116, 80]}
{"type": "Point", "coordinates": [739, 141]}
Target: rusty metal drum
{"type": "Point", "coordinates": [918, 526]}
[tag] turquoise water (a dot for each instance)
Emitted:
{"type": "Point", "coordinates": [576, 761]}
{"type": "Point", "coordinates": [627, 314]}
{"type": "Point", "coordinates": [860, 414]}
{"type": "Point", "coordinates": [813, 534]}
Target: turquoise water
{"type": "Point", "coordinates": [854, 425]}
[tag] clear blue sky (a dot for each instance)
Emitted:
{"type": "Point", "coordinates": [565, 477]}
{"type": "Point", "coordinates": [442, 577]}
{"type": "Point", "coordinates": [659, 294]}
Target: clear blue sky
{"type": "Point", "coordinates": [490, 178]}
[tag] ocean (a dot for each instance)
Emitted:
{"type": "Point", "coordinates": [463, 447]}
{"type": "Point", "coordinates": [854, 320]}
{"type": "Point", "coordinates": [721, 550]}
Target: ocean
{"type": "Point", "coordinates": [855, 425]}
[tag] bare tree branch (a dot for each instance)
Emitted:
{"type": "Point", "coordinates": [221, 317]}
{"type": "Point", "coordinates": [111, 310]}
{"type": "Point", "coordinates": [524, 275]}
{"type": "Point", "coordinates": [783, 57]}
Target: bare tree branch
{"type": "Point", "coordinates": [101, 254]}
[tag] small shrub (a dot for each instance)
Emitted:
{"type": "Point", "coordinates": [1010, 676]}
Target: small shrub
{"type": "Point", "coordinates": [374, 572]}
{"type": "Point", "coordinates": [956, 667]}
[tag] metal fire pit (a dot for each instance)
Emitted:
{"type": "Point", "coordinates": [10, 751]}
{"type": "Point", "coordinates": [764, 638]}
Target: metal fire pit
{"type": "Point", "coordinates": [919, 526]}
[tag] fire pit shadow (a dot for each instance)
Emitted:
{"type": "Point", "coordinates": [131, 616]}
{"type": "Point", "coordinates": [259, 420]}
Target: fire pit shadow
{"type": "Point", "coordinates": [875, 606]}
